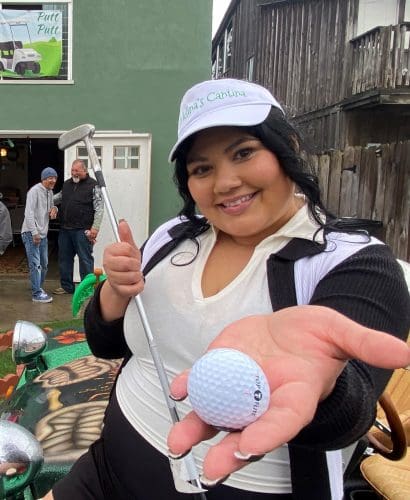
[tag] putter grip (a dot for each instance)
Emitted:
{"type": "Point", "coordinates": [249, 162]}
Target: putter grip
{"type": "Point", "coordinates": [100, 178]}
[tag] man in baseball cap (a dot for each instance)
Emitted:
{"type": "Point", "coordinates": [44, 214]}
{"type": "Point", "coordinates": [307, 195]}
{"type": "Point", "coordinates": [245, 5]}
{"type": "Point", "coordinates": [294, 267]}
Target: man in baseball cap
{"type": "Point", "coordinates": [38, 211]}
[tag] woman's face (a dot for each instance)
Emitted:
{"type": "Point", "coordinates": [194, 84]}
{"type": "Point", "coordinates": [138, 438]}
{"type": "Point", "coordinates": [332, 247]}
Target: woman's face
{"type": "Point", "coordinates": [239, 185]}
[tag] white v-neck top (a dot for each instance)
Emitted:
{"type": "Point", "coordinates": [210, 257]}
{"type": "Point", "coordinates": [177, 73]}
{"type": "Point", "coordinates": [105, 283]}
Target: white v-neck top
{"type": "Point", "coordinates": [184, 322]}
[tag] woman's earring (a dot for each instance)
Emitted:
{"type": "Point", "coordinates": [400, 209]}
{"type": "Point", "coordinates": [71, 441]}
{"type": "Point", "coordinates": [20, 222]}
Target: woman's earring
{"type": "Point", "coordinates": [299, 194]}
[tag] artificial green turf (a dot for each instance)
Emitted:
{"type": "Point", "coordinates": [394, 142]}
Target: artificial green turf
{"type": "Point", "coordinates": [7, 365]}
{"type": "Point", "coordinates": [75, 324]}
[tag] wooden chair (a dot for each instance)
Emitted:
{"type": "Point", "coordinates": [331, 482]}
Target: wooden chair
{"type": "Point", "coordinates": [388, 470]}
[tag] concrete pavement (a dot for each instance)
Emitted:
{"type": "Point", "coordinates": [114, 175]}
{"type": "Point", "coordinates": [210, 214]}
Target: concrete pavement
{"type": "Point", "coordinates": [15, 296]}
{"type": "Point", "coordinates": [16, 303]}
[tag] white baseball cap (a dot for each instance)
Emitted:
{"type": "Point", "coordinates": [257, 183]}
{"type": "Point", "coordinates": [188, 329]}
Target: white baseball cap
{"type": "Point", "coordinates": [223, 102]}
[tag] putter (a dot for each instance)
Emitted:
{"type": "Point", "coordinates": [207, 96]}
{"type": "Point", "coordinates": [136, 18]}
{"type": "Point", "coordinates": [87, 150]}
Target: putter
{"type": "Point", "coordinates": [84, 133]}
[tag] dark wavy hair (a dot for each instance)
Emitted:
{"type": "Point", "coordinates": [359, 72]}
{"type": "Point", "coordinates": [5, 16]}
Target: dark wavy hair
{"type": "Point", "coordinates": [280, 137]}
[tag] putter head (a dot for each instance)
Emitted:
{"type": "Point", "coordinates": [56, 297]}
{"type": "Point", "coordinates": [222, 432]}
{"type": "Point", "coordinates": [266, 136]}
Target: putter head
{"type": "Point", "coordinates": [75, 135]}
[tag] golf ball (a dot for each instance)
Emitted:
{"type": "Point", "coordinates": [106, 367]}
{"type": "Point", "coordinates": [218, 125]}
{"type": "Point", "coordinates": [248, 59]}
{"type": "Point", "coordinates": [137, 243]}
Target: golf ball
{"type": "Point", "coordinates": [228, 389]}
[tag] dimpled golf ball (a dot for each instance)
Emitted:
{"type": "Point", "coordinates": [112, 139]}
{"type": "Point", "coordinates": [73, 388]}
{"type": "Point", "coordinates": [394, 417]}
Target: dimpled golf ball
{"type": "Point", "coordinates": [228, 389]}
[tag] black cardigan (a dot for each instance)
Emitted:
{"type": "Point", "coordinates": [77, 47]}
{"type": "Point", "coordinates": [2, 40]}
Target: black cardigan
{"type": "Point", "coordinates": [379, 300]}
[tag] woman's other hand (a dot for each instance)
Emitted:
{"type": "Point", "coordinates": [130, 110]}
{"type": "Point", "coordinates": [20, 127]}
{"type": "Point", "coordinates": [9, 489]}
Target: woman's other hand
{"type": "Point", "coordinates": [302, 351]}
{"type": "Point", "coordinates": [122, 265]}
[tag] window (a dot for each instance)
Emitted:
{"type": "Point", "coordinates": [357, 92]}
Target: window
{"type": "Point", "coordinates": [35, 41]}
{"type": "Point", "coordinates": [249, 69]}
{"type": "Point", "coordinates": [228, 50]}
{"type": "Point", "coordinates": [83, 155]}
{"type": "Point", "coordinates": [126, 156]}
{"type": "Point", "coordinates": [222, 61]}
{"type": "Point", "coordinates": [214, 75]}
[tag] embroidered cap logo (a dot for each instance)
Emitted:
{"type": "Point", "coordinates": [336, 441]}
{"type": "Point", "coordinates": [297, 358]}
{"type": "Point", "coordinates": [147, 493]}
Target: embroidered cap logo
{"type": "Point", "coordinates": [223, 102]}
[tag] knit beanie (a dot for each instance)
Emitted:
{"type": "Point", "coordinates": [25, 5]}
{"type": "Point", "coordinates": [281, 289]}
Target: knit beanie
{"type": "Point", "coordinates": [48, 172]}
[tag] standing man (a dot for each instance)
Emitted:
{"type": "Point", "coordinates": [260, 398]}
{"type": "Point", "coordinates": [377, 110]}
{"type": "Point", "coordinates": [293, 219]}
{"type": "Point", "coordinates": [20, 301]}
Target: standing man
{"type": "Point", "coordinates": [39, 210]}
{"type": "Point", "coordinates": [81, 214]}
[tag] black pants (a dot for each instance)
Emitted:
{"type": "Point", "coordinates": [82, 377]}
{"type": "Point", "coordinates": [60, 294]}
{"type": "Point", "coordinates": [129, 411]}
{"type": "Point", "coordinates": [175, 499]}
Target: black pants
{"type": "Point", "coordinates": [72, 242]}
{"type": "Point", "coordinates": [121, 465]}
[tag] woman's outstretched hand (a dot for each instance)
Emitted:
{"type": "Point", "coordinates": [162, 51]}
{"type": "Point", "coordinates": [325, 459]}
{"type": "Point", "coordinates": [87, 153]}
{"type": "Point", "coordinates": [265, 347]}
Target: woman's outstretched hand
{"type": "Point", "coordinates": [302, 351]}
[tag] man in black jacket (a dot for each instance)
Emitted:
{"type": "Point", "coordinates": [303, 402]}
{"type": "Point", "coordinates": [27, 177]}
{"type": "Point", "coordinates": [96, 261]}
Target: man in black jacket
{"type": "Point", "coordinates": [81, 213]}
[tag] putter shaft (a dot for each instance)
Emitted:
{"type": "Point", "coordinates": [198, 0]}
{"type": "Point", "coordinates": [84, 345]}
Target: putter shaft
{"type": "Point", "coordinates": [84, 133]}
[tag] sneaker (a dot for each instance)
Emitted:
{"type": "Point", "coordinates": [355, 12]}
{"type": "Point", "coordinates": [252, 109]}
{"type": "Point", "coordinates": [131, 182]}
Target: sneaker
{"type": "Point", "coordinates": [59, 291]}
{"type": "Point", "coordinates": [43, 297]}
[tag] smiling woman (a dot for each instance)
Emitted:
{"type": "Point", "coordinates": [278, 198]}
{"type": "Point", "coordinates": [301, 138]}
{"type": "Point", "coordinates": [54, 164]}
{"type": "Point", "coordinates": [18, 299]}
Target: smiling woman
{"type": "Point", "coordinates": [252, 239]}
{"type": "Point", "coordinates": [239, 186]}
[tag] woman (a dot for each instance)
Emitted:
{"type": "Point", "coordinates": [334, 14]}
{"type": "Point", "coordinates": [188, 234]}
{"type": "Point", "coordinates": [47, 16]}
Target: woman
{"type": "Point", "coordinates": [263, 242]}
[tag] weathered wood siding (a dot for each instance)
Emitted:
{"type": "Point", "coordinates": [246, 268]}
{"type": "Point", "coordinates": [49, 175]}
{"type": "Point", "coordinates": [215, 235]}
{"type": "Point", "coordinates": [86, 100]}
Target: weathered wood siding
{"type": "Point", "coordinates": [370, 183]}
{"type": "Point", "coordinates": [299, 49]}
{"type": "Point", "coordinates": [323, 130]}
{"type": "Point", "coordinates": [244, 36]}
{"type": "Point", "coordinates": [306, 55]}
{"type": "Point", "coordinates": [309, 42]}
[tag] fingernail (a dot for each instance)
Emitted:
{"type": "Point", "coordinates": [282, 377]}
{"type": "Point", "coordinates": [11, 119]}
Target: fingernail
{"type": "Point", "coordinates": [211, 483]}
{"type": "Point", "coordinates": [176, 456]}
{"type": "Point", "coordinates": [248, 457]}
{"type": "Point", "coordinates": [174, 398]}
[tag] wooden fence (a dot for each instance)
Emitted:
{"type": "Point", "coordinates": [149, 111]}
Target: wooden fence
{"type": "Point", "coordinates": [371, 183]}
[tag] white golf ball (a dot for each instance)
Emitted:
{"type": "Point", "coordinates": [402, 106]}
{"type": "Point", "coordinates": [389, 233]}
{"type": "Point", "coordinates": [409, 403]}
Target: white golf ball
{"type": "Point", "coordinates": [228, 389]}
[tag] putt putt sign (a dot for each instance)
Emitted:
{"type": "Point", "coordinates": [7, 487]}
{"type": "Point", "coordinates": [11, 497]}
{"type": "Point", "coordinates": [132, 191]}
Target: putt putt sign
{"type": "Point", "coordinates": [30, 43]}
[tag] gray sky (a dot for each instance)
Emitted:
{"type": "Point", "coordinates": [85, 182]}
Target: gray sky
{"type": "Point", "coordinates": [218, 11]}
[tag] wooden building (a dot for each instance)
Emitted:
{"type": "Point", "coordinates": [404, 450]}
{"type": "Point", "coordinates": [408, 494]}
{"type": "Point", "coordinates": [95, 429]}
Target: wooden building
{"type": "Point", "coordinates": [341, 69]}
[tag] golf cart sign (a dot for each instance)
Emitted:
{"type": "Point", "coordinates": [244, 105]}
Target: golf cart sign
{"type": "Point", "coordinates": [30, 43]}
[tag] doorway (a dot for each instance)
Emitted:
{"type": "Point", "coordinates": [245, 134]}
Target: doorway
{"type": "Point", "coordinates": [21, 161]}
{"type": "Point", "coordinates": [126, 161]}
